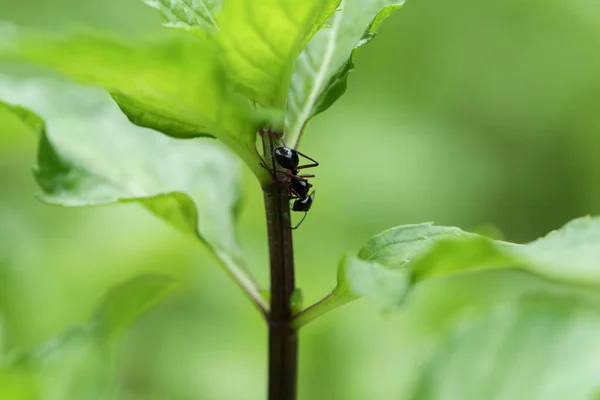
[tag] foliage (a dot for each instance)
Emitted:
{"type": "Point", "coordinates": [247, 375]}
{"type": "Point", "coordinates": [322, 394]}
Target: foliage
{"type": "Point", "coordinates": [44, 371]}
{"type": "Point", "coordinates": [224, 71]}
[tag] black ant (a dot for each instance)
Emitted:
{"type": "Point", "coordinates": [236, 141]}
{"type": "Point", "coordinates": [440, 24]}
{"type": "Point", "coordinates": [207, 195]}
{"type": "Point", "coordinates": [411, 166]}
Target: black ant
{"type": "Point", "coordinates": [299, 186]}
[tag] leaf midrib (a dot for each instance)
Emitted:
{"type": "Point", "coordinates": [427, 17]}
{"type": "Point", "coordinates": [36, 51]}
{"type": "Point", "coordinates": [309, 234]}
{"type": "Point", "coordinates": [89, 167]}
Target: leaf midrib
{"type": "Point", "coordinates": [320, 77]}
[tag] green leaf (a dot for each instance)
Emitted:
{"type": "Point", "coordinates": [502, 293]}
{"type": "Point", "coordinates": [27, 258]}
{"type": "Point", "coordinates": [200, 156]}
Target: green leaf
{"type": "Point", "coordinates": [79, 363]}
{"type": "Point", "coordinates": [140, 115]}
{"type": "Point", "coordinates": [515, 355]}
{"type": "Point", "coordinates": [361, 278]}
{"type": "Point", "coordinates": [192, 184]}
{"type": "Point", "coordinates": [30, 119]}
{"type": "Point", "coordinates": [395, 260]}
{"type": "Point", "coordinates": [174, 84]}
{"type": "Point", "coordinates": [501, 335]}
{"type": "Point", "coordinates": [321, 72]}
{"type": "Point", "coordinates": [123, 304]}
{"type": "Point", "coordinates": [297, 300]}
{"type": "Point", "coordinates": [17, 384]}
{"type": "Point", "coordinates": [571, 253]}
{"type": "Point", "coordinates": [93, 156]}
{"type": "Point", "coordinates": [261, 40]}
{"type": "Point", "coordinates": [115, 312]}
{"type": "Point", "coordinates": [398, 246]}
{"type": "Point", "coordinates": [380, 271]}
{"type": "Point", "coordinates": [450, 256]}
{"type": "Point", "coordinates": [188, 14]}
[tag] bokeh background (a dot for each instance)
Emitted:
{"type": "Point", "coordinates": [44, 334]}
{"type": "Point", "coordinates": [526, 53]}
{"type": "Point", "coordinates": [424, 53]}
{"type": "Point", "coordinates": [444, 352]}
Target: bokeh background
{"type": "Point", "coordinates": [467, 113]}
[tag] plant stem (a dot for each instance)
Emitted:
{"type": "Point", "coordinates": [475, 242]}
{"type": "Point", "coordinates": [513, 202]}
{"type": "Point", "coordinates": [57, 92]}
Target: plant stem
{"type": "Point", "coordinates": [328, 303]}
{"type": "Point", "coordinates": [244, 280]}
{"type": "Point", "coordinates": [283, 338]}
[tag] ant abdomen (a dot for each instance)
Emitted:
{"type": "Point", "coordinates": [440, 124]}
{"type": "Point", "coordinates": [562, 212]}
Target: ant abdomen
{"type": "Point", "coordinates": [303, 204]}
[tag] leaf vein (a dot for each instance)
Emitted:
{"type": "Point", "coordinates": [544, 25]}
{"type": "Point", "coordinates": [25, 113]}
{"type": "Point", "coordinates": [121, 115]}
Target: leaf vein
{"type": "Point", "coordinates": [320, 77]}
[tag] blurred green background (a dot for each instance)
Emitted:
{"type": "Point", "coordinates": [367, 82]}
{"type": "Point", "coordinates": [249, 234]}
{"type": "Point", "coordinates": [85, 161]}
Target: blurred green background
{"type": "Point", "coordinates": [466, 113]}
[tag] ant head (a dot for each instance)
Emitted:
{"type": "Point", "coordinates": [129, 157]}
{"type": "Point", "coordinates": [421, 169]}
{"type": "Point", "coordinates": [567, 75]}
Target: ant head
{"type": "Point", "coordinates": [303, 204]}
{"type": "Point", "coordinates": [286, 157]}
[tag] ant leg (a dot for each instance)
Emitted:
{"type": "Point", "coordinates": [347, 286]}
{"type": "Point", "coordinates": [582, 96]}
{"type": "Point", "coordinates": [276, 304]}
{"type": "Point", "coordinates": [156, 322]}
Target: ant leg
{"type": "Point", "coordinates": [301, 221]}
{"type": "Point", "coordinates": [314, 164]}
{"type": "Point", "coordinates": [264, 165]}
{"type": "Point", "coordinates": [263, 162]}
{"type": "Point", "coordinates": [296, 177]}
{"type": "Point", "coordinates": [307, 166]}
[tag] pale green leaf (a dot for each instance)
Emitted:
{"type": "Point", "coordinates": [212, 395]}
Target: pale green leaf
{"type": "Point", "coordinates": [398, 246]}
{"type": "Point", "coordinates": [27, 117]}
{"type": "Point", "coordinates": [79, 362]}
{"type": "Point", "coordinates": [571, 253]}
{"type": "Point", "coordinates": [393, 261]}
{"type": "Point", "coordinates": [361, 278]}
{"type": "Point", "coordinates": [123, 304]}
{"type": "Point", "coordinates": [322, 69]}
{"type": "Point", "coordinates": [450, 256]}
{"type": "Point", "coordinates": [174, 85]}
{"type": "Point", "coordinates": [92, 155]}
{"type": "Point", "coordinates": [115, 312]}
{"type": "Point", "coordinates": [261, 40]}
{"type": "Point", "coordinates": [188, 14]}
{"type": "Point", "coordinates": [192, 184]}
{"type": "Point", "coordinates": [501, 335]}
{"type": "Point", "coordinates": [380, 271]}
